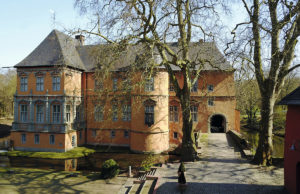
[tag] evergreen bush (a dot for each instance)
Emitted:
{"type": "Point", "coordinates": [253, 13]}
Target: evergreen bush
{"type": "Point", "coordinates": [109, 169]}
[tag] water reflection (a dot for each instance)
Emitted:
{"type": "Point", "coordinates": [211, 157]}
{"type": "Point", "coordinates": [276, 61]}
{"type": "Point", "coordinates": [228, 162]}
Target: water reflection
{"type": "Point", "coordinates": [253, 136]}
{"type": "Point", "coordinates": [90, 163]}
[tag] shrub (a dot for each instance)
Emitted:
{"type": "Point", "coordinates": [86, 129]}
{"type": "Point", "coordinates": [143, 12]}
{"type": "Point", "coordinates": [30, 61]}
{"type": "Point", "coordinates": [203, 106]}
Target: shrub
{"type": "Point", "coordinates": [147, 163]}
{"type": "Point", "coordinates": [109, 169]}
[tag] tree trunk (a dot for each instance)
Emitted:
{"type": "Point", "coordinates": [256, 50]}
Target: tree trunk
{"type": "Point", "coordinates": [263, 155]}
{"type": "Point", "coordinates": [188, 149]}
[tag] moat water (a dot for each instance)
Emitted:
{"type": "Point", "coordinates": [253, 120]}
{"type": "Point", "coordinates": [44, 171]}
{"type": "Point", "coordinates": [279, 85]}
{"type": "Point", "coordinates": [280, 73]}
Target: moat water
{"type": "Point", "coordinates": [90, 163]}
{"type": "Point", "coordinates": [252, 137]}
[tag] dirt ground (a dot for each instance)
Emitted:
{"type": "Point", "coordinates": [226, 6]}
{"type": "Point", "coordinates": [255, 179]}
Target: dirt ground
{"type": "Point", "coordinates": [23, 180]}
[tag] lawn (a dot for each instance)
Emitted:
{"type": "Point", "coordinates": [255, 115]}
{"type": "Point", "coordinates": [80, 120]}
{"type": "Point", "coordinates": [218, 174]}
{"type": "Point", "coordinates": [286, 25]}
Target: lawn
{"type": "Point", "coordinates": [74, 153]}
{"type": "Point", "coordinates": [22, 180]}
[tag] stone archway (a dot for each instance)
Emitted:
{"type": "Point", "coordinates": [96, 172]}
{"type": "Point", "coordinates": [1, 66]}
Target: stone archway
{"type": "Point", "coordinates": [217, 123]}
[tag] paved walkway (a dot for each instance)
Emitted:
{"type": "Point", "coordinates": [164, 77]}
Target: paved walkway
{"type": "Point", "coordinates": [221, 170]}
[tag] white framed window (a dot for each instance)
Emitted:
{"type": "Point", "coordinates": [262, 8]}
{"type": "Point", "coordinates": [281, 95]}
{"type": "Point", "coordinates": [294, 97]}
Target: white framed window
{"type": "Point", "coordinates": [77, 116]}
{"type": "Point", "coordinates": [175, 135]}
{"type": "Point", "coordinates": [210, 102]}
{"type": "Point", "coordinates": [112, 133]}
{"type": "Point", "coordinates": [115, 84]}
{"type": "Point", "coordinates": [40, 84]}
{"type": "Point", "coordinates": [39, 113]}
{"type": "Point", "coordinates": [68, 113]}
{"type": "Point", "coordinates": [149, 84]}
{"type": "Point", "coordinates": [56, 83]}
{"type": "Point", "coordinates": [210, 88]}
{"type": "Point", "coordinates": [94, 133]}
{"type": "Point", "coordinates": [73, 141]}
{"type": "Point", "coordinates": [126, 113]}
{"type": "Point", "coordinates": [52, 139]}
{"type": "Point", "coordinates": [114, 112]}
{"type": "Point", "coordinates": [36, 139]}
{"type": "Point", "coordinates": [56, 113]}
{"type": "Point", "coordinates": [173, 113]}
{"type": "Point", "coordinates": [98, 85]}
{"type": "Point", "coordinates": [195, 87]}
{"type": "Point", "coordinates": [24, 112]}
{"type": "Point", "coordinates": [23, 138]}
{"type": "Point", "coordinates": [149, 115]}
{"type": "Point", "coordinates": [98, 113]}
{"type": "Point", "coordinates": [24, 84]}
{"type": "Point", "coordinates": [126, 134]}
{"type": "Point", "coordinates": [194, 112]}
{"type": "Point", "coordinates": [171, 87]}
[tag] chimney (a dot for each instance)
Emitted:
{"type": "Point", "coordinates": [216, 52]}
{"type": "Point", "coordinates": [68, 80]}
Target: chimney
{"type": "Point", "coordinates": [80, 39]}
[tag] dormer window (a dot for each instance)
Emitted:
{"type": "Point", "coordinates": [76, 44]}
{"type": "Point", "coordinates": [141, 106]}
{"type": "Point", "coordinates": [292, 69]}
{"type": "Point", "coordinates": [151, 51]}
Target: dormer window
{"type": "Point", "coordinates": [55, 83]}
{"type": "Point", "coordinates": [24, 84]}
{"type": "Point", "coordinates": [40, 84]}
{"type": "Point", "coordinates": [149, 84]}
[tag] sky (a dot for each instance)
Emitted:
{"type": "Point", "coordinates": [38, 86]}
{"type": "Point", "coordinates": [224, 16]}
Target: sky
{"type": "Point", "coordinates": [25, 24]}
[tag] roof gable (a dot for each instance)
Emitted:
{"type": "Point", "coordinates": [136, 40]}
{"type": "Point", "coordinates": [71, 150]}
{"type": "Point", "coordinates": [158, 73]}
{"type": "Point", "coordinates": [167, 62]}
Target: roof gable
{"type": "Point", "coordinates": [292, 98]}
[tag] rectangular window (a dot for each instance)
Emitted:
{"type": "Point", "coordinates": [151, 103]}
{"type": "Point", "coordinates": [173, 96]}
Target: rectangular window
{"type": "Point", "coordinates": [114, 112]}
{"type": "Point", "coordinates": [149, 84]}
{"type": "Point", "coordinates": [195, 87]}
{"type": "Point", "coordinates": [174, 113]}
{"type": "Point", "coordinates": [73, 140]}
{"type": "Point", "coordinates": [210, 102]}
{"type": "Point", "coordinates": [23, 138]}
{"type": "Point", "coordinates": [98, 113]}
{"type": "Point", "coordinates": [68, 113]}
{"type": "Point", "coordinates": [175, 135]}
{"type": "Point", "coordinates": [24, 113]}
{"type": "Point", "coordinates": [126, 134]}
{"type": "Point", "coordinates": [112, 133]}
{"type": "Point", "coordinates": [194, 112]}
{"type": "Point", "coordinates": [80, 135]}
{"type": "Point", "coordinates": [36, 139]}
{"type": "Point", "coordinates": [126, 113]}
{"type": "Point", "coordinates": [115, 84]}
{"type": "Point", "coordinates": [126, 84]}
{"type": "Point", "coordinates": [98, 85]}
{"type": "Point", "coordinates": [39, 113]}
{"type": "Point", "coordinates": [210, 88]}
{"type": "Point", "coordinates": [39, 84]}
{"type": "Point", "coordinates": [149, 115]}
{"type": "Point", "coordinates": [24, 84]}
{"type": "Point", "coordinates": [77, 117]}
{"type": "Point", "coordinates": [52, 139]}
{"type": "Point", "coordinates": [94, 133]}
{"type": "Point", "coordinates": [56, 114]}
{"type": "Point", "coordinates": [171, 87]}
{"type": "Point", "coordinates": [56, 83]}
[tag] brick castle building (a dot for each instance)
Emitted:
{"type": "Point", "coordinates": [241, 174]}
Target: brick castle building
{"type": "Point", "coordinates": [57, 105]}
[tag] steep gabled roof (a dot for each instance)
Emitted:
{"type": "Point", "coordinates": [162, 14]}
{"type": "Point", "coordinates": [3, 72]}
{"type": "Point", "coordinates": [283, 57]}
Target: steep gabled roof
{"type": "Point", "coordinates": [56, 49]}
{"type": "Point", "coordinates": [292, 98]}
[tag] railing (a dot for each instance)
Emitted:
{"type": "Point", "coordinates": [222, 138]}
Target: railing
{"type": "Point", "coordinates": [40, 127]}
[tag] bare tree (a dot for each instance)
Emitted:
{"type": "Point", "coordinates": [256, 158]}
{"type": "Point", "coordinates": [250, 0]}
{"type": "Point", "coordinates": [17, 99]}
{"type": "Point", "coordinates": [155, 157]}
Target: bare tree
{"type": "Point", "coordinates": [154, 23]}
{"type": "Point", "coordinates": [270, 35]}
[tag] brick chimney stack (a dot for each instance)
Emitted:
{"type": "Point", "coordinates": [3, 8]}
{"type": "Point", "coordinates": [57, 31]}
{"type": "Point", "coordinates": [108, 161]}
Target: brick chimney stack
{"type": "Point", "coordinates": [80, 39]}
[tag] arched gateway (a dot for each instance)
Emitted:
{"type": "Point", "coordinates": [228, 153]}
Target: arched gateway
{"type": "Point", "coordinates": [217, 123]}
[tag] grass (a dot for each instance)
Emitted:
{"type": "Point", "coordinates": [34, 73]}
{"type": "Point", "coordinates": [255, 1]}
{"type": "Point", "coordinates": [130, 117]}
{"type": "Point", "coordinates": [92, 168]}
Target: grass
{"type": "Point", "coordinates": [27, 180]}
{"type": "Point", "coordinates": [74, 153]}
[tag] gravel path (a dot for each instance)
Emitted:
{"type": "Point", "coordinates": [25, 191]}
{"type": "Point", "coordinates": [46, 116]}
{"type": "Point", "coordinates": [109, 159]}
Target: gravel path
{"type": "Point", "coordinates": [221, 170]}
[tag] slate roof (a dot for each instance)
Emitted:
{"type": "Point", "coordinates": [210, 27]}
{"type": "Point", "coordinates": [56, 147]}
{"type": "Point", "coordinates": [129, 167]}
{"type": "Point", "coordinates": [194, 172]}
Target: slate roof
{"type": "Point", "coordinates": [56, 49]}
{"type": "Point", "coordinates": [292, 98]}
{"type": "Point", "coordinates": [61, 49]}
